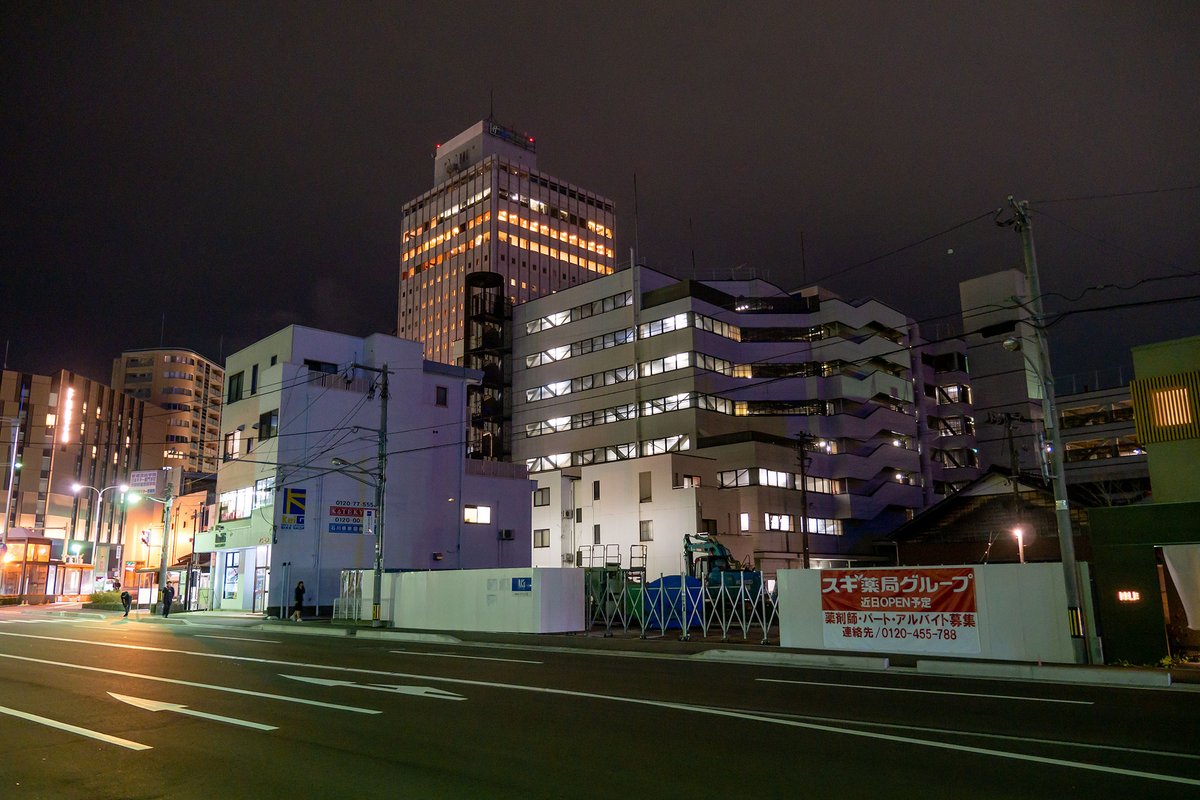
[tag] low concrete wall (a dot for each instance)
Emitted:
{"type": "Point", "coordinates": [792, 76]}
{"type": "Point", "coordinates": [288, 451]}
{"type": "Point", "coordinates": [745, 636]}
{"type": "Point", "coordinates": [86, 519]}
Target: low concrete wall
{"type": "Point", "coordinates": [518, 600]}
{"type": "Point", "coordinates": [1021, 615]}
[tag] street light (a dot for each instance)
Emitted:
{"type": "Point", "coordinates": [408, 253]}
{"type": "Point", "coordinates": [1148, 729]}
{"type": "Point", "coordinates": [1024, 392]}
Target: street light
{"type": "Point", "coordinates": [376, 481]}
{"type": "Point", "coordinates": [1020, 534]}
{"type": "Point", "coordinates": [76, 488]}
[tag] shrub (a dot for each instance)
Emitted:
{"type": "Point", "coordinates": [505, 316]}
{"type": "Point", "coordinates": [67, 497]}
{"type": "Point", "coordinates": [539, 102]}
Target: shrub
{"type": "Point", "coordinates": [106, 598]}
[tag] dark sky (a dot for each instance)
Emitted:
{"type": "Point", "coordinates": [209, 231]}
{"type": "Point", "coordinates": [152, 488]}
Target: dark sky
{"type": "Point", "coordinates": [241, 166]}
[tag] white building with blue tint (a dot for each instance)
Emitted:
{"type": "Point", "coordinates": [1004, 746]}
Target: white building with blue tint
{"type": "Point", "coordinates": [647, 408]}
{"type": "Point", "coordinates": [300, 439]}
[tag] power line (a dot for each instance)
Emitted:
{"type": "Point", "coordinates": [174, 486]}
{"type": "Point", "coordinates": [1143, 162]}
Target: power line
{"type": "Point", "coordinates": [1119, 194]}
{"type": "Point", "coordinates": [1113, 245]}
{"type": "Point", "coordinates": [951, 229]}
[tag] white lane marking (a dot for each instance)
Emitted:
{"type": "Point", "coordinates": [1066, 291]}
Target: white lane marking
{"type": "Point", "coordinates": [159, 705]}
{"type": "Point", "coordinates": [1001, 736]}
{"type": "Point", "coordinates": [928, 691]}
{"type": "Point", "coordinates": [636, 701]}
{"type": "Point", "coordinates": [420, 691]}
{"type": "Point", "coordinates": [180, 682]}
{"type": "Point", "coordinates": [456, 655]}
{"type": "Point", "coordinates": [65, 726]}
{"type": "Point", "coordinates": [235, 638]}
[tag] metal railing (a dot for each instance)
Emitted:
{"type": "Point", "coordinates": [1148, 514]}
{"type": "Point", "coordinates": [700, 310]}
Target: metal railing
{"type": "Point", "coordinates": [348, 604]}
{"type": "Point", "coordinates": [623, 600]}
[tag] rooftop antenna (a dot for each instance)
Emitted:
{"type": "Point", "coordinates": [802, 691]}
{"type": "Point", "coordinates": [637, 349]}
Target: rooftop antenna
{"type": "Point", "coordinates": [636, 248]}
{"type": "Point", "coordinates": [692, 236]}
{"type": "Point", "coordinates": [803, 262]}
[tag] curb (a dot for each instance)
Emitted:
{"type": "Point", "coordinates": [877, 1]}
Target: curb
{"type": "Point", "coordinates": [299, 629]}
{"type": "Point", "coordinates": [404, 636]}
{"type": "Point", "coordinates": [793, 659]}
{"type": "Point", "coordinates": [1104, 676]}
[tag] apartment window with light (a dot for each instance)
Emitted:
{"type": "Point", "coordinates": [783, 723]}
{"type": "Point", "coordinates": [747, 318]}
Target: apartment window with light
{"type": "Point", "coordinates": [541, 537]}
{"type": "Point", "coordinates": [477, 515]}
{"type": "Point", "coordinates": [541, 497]}
{"type": "Point", "coordinates": [1171, 407]}
{"type": "Point", "coordinates": [646, 530]}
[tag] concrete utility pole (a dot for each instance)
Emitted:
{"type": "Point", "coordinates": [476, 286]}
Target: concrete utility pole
{"type": "Point", "coordinates": [1062, 511]}
{"type": "Point", "coordinates": [162, 569]}
{"type": "Point", "coordinates": [801, 447]}
{"type": "Point", "coordinates": [380, 480]}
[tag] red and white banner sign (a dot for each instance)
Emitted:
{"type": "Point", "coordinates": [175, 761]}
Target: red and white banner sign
{"type": "Point", "coordinates": [904, 610]}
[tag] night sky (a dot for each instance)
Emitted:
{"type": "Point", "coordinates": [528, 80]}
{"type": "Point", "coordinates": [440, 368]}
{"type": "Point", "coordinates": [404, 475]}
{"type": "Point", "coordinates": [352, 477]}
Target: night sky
{"type": "Point", "coordinates": [241, 166]}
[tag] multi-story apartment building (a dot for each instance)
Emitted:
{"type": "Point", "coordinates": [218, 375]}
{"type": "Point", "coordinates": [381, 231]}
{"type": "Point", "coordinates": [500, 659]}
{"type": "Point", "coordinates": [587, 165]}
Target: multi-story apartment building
{"type": "Point", "coordinates": [1002, 352]}
{"type": "Point", "coordinates": [69, 431]}
{"type": "Point", "coordinates": [1103, 459]}
{"type": "Point", "coordinates": [301, 433]}
{"type": "Point", "coordinates": [188, 388]}
{"type": "Point", "coordinates": [945, 416]}
{"type": "Point", "coordinates": [648, 408]}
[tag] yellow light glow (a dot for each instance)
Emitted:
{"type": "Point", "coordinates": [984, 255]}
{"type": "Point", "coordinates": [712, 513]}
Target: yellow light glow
{"type": "Point", "coordinates": [66, 416]}
{"type": "Point", "coordinates": [1128, 596]}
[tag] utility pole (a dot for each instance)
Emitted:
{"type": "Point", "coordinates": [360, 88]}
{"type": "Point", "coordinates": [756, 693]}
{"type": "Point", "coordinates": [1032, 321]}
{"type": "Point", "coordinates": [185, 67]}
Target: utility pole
{"type": "Point", "coordinates": [162, 568]}
{"type": "Point", "coordinates": [380, 480]}
{"type": "Point", "coordinates": [1062, 511]}
{"type": "Point", "coordinates": [802, 444]}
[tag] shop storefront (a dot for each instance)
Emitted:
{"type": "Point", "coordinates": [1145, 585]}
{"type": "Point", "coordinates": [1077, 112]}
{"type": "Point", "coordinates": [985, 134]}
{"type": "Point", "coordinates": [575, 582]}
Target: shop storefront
{"type": "Point", "coordinates": [33, 571]}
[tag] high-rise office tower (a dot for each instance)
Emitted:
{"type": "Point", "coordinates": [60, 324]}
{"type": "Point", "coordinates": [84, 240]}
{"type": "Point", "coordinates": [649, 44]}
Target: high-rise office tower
{"type": "Point", "coordinates": [492, 210]}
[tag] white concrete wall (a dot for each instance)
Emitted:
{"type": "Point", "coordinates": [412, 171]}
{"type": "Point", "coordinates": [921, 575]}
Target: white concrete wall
{"type": "Point", "coordinates": [483, 600]}
{"type": "Point", "coordinates": [1021, 613]}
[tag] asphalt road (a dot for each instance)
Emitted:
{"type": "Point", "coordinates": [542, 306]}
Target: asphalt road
{"type": "Point", "coordinates": [100, 707]}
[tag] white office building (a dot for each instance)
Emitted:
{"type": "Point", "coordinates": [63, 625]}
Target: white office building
{"type": "Point", "coordinates": [647, 408]}
{"type": "Point", "coordinates": [301, 434]}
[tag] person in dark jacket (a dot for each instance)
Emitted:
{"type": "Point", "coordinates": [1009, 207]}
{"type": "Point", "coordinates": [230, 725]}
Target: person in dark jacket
{"type": "Point", "coordinates": [168, 596]}
{"type": "Point", "coordinates": [127, 601]}
{"type": "Point", "coordinates": [298, 606]}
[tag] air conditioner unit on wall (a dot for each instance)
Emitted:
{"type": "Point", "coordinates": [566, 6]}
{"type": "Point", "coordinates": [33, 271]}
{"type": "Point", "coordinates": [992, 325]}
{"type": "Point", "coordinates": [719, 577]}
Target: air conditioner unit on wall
{"type": "Point", "coordinates": [568, 513]}
{"type": "Point", "coordinates": [506, 534]}
{"type": "Point", "coordinates": [568, 558]}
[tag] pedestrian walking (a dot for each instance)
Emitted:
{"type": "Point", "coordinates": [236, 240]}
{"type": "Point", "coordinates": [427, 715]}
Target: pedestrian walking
{"type": "Point", "coordinates": [168, 596]}
{"type": "Point", "coordinates": [127, 601]}
{"type": "Point", "coordinates": [298, 606]}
